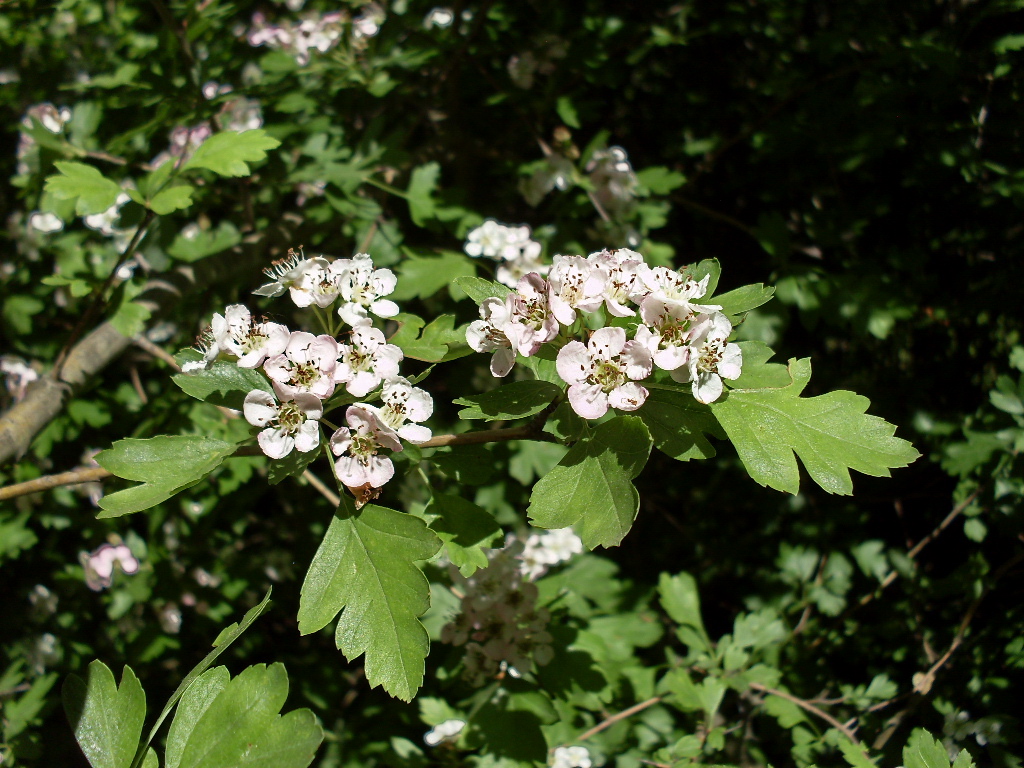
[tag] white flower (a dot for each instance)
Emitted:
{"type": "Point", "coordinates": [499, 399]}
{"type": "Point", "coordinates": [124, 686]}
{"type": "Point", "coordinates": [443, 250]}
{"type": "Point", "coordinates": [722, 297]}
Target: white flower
{"type": "Point", "coordinates": [622, 279]}
{"type": "Point", "coordinates": [445, 731]}
{"type": "Point", "coordinates": [45, 222]}
{"type": "Point", "coordinates": [283, 273]}
{"type": "Point", "coordinates": [488, 335]}
{"type": "Point", "coordinates": [600, 373]}
{"type": "Point", "coordinates": [571, 757]}
{"type": "Point", "coordinates": [667, 286]}
{"type": "Point", "coordinates": [319, 282]}
{"type": "Point", "coordinates": [208, 346]}
{"type": "Point", "coordinates": [103, 222]}
{"type": "Point", "coordinates": [307, 365]}
{"type": "Point", "coordinates": [512, 271]}
{"type": "Point", "coordinates": [99, 565]}
{"type": "Point", "coordinates": [290, 424]}
{"type": "Point", "coordinates": [489, 239]}
{"type": "Point", "coordinates": [403, 402]}
{"type": "Point", "coordinates": [439, 17]}
{"type": "Point", "coordinates": [547, 548]}
{"type": "Point", "coordinates": [576, 284]}
{"type": "Point", "coordinates": [712, 359]}
{"type": "Point", "coordinates": [362, 287]}
{"type": "Point", "coordinates": [669, 331]}
{"type": "Point", "coordinates": [367, 360]}
{"type": "Point", "coordinates": [250, 342]}
{"type": "Point", "coordinates": [17, 376]}
{"type": "Point", "coordinates": [357, 445]}
{"type": "Point", "coordinates": [531, 323]}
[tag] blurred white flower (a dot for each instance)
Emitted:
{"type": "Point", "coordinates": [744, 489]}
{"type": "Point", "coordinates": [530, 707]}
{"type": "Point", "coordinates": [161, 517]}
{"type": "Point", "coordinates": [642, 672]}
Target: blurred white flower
{"type": "Point", "coordinates": [446, 731]}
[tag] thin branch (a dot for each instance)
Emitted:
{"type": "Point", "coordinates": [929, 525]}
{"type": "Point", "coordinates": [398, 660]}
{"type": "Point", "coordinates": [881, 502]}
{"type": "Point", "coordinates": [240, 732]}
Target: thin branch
{"type": "Point", "coordinates": [609, 722]}
{"type": "Point", "coordinates": [916, 549]}
{"type": "Point", "coordinates": [98, 299]}
{"type": "Point", "coordinates": [817, 711]}
{"type": "Point", "coordinates": [46, 482]}
{"type": "Point", "coordinates": [156, 351]}
{"type": "Point", "coordinates": [321, 486]}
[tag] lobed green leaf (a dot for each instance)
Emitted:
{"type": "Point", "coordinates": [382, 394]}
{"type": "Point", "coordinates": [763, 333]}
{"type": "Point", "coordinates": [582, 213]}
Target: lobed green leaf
{"type": "Point", "coordinates": [107, 719]}
{"type": "Point", "coordinates": [229, 153]}
{"type": "Point", "coordinates": [93, 192]}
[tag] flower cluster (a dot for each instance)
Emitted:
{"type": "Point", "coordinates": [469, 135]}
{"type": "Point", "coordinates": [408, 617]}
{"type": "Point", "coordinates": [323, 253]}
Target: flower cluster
{"type": "Point", "coordinates": [516, 253]}
{"type": "Point", "coordinates": [688, 340]}
{"type": "Point", "coordinates": [613, 179]}
{"type": "Point", "coordinates": [571, 757]}
{"type": "Point", "coordinates": [314, 32]}
{"type": "Point", "coordinates": [544, 549]}
{"type": "Point", "coordinates": [304, 370]}
{"type": "Point", "coordinates": [100, 563]}
{"type": "Point", "coordinates": [500, 625]}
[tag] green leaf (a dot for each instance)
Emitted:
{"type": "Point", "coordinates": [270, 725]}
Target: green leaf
{"type": "Point", "coordinates": [172, 199]}
{"type": "Point", "coordinates": [567, 112]}
{"type": "Point", "coordinates": [365, 568]}
{"type": "Point", "coordinates": [19, 713]}
{"type": "Point", "coordinates": [680, 598]}
{"type": "Point", "coordinates": [830, 433]}
{"type": "Point", "coordinates": [130, 318]}
{"type": "Point", "coordinates": [924, 751]}
{"type": "Point", "coordinates": [421, 187]}
{"type": "Point", "coordinates": [165, 465]}
{"type": "Point", "coordinates": [758, 373]}
{"type": "Point", "coordinates": [205, 243]}
{"type": "Point", "coordinates": [479, 289]}
{"type": "Point", "coordinates": [241, 725]}
{"type": "Point", "coordinates": [439, 341]}
{"type": "Point", "coordinates": [712, 269]}
{"type": "Point", "coordinates": [222, 384]}
{"type": "Point", "coordinates": [591, 487]}
{"type": "Point", "coordinates": [422, 276]}
{"type": "Point", "coordinates": [106, 718]}
{"type": "Point", "coordinates": [464, 528]}
{"type": "Point", "coordinates": [292, 465]}
{"type": "Point", "coordinates": [19, 310]}
{"type": "Point", "coordinates": [194, 703]}
{"type": "Point", "coordinates": [659, 180]}
{"type": "Point", "coordinates": [227, 636]}
{"type": "Point", "coordinates": [94, 192]}
{"type": "Point", "coordinates": [510, 401]}
{"type": "Point", "coordinates": [744, 299]}
{"type": "Point", "coordinates": [228, 153]}
{"type": "Point", "coordinates": [678, 425]}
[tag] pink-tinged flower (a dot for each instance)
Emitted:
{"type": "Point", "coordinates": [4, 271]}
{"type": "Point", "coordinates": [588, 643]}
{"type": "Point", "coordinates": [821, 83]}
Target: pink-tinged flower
{"type": "Point", "coordinates": [359, 464]}
{"type": "Point", "coordinates": [668, 332]}
{"type": "Point", "coordinates": [669, 287]}
{"type": "Point", "coordinates": [307, 365]}
{"type": "Point", "coordinates": [367, 360]}
{"type": "Point", "coordinates": [319, 282]}
{"type": "Point", "coordinates": [575, 285]}
{"type": "Point", "coordinates": [603, 373]}
{"type": "Point", "coordinates": [712, 359]}
{"type": "Point", "coordinates": [292, 423]}
{"type": "Point", "coordinates": [250, 342]}
{"type": "Point", "coordinates": [488, 335]}
{"type": "Point", "coordinates": [622, 279]}
{"type": "Point", "coordinates": [403, 403]}
{"type": "Point", "coordinates": [530, 321]}
{"type": "Point", "coordinates": [100, 563]}
{"type": "Point", "coordinates": [362, 287]}
{"type": "Point", "coordinates": [284, 274]}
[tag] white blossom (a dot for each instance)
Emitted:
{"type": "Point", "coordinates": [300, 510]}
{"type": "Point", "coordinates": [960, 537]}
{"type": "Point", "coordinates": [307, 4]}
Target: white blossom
{"type": "Point", "coordinates": [100, 563]}
{"type": "Point", "coordinates": [367, 360]}
{"type": "Point", "coordinates": [622, 283]}
{"type": "Point", "coordinates": [251, 342]}
{"type": "Point", "coordinates": [488, 335]}
{"type": "Point", "coordinates": [439, 17]}
{"type": "Point", "coordinates": [546, 548]}
{"type": "Point", "coordinates": [667, 286]}
{"type": "Point", "coordinates": [357, 446]}
{"type": "Point", "coordinates": [284, 274]}
{"type": "Point", "coordinates": [403, 403]}
{"type": "Point", "coordinates": [446, 731]}
{"type": "Point", "coordinates": [307, 365]}
{"type": "Point", "coordinates": [668, 332]}
{"type": "Point", "coordinates": [712, 358]}
{"type": "Point", "coordinates": [571, 757]}
{"type": "Point", "coordinates": [603, 373]}
{"type": "Point", "coordinates": [17, 375]}
{"type": "Point", "coordinates": [45, 222]}
{"type": "Point", "coordinates": [531, 324]}
{"type": "Point", "coordinates": [318, 281]}
{"type": "Point", "coordinates": [362, 287]}
{"type": "Point", "coordinates": [576, 284]}
{"type": "Point", "coordinates": [292, 423]}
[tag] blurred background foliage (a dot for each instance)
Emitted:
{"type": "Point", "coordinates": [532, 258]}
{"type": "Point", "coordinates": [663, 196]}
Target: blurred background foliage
{"type": "Point", "coordinates": [862, 157]}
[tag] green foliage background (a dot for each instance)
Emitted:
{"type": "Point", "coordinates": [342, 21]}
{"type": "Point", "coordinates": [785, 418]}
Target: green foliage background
{"type": "Point", "coordinates": [862, 157]}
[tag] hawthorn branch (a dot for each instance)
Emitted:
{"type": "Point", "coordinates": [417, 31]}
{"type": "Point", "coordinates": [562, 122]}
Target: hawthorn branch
{"type": "Point", "coordinates": [531, 431]}
{"type": "Point", "coordinates": [816, 711]}
{"type": "Point", "coordinates": [610, 721]}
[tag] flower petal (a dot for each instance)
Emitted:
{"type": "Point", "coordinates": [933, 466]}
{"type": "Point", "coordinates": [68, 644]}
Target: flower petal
{"type": "Point", "coordinates": [259, 408]}
{"type": "Point", "coordinates": [588, 400]}
{"type": "Point", "coordinates": [573, 363]}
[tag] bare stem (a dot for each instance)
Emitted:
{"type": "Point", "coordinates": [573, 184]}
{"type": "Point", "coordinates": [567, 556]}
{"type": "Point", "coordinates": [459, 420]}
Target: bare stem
{"type": "Point", "coordinates": [610, 721]}
{"type": "Point", "coordinates": [816, 711]}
